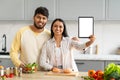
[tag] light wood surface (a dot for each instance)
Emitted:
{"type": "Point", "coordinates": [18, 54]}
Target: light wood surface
{"type": "Point", "coordinates": [43, 76]}
{"type": "Point", "coordinates": [62, 74]}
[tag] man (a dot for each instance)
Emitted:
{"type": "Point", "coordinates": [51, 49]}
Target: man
{"type": "Point", "coordinates": [27, 44]}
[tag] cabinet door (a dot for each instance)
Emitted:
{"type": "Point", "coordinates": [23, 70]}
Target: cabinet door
{"type": "Point", "coordinates": [87, 65]}
{"type": "Point", "coordinates": [31, 5]}
{"type": "Point", "coordinates": [6, 62]}
{"type": "Point", "coordinates": [72, 9]}
{"type": "Point", "coordinates": [11, 9]}
{"type": "Point", "coordinates": [108, 62]}
{"type": "Point", "coordinates": [113, 9]}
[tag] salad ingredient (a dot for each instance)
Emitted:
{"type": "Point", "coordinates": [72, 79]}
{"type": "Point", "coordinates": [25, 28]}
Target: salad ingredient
{"type": "Point", "coordinates": [91, 72]}
{"type": "Point", "coordinates": [96, 75]}
{"type": "Point", "coordinates": [87, 78]}
{"type": "Point", "coordinates": [31, 67]}
{"type": "Point", "coordinates": [112, 71]}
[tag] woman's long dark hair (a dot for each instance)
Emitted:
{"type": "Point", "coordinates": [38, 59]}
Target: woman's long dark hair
{"type": "Point", "coordinates": [64, 31]}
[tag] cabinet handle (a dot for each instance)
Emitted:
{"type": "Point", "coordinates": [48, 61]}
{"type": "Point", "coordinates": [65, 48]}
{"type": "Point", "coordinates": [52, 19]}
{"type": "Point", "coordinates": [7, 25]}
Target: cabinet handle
{"type": "Point", "coordinates": [80, 63]}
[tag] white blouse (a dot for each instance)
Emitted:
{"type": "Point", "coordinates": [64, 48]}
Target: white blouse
{"type": "Point", "coordinates": [58, 56]}
{"type": "Point", "coordinates": [47, 58]}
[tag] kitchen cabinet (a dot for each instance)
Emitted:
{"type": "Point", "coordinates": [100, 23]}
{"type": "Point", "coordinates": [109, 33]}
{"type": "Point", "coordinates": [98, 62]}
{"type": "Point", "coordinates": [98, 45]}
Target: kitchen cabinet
{"type": "Point", "coordinates": [108, 62]}
{"type": "Point", "coordinates": [85, 65]}
{"type": "Point", "coordinates": [74, 9]}
{"type": "Point", "coordinates": [24, 9]}
{"type": "Point", "coordinates": [113, 10]}
{"type": "Point", "coordinates": [31, 5]}
{"type": "Point", "coordinates": [11, 9]}
{"type": "Point", "coordinates": [6, 62]}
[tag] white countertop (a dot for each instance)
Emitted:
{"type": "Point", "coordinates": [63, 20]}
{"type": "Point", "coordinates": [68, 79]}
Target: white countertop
{"type": "Point", "coordinates": [87, 57]}
{"type": "Point", "coordinates": [4, 56]}
{"type": "Point", "coordinates": [96, 57]}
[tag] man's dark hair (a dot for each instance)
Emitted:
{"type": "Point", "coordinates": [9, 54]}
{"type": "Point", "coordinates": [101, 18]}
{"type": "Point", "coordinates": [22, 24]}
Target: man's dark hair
{"type": "Point", "coordinates": [42, 10]}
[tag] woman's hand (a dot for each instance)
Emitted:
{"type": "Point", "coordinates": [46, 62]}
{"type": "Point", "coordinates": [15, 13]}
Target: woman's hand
{"type": "Point", "coordinates": [75, 39]}
{"type": "Point", "coordinates": [54, 69]}
{"type": "Point", "coordinates": [92, 38]}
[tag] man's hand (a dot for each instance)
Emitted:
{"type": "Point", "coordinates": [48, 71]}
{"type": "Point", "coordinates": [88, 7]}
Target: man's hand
{"type": "Point", "coordinates": [23, 67]}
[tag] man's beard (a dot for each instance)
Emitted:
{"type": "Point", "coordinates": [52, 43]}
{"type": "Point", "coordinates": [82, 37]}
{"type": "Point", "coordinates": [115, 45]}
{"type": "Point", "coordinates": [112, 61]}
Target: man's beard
{"type": "Point", "coordinates": [39, 27]}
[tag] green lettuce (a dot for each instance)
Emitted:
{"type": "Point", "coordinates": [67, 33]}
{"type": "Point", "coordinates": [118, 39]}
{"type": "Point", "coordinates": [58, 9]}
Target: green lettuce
{"type": "Point", "coordinates": [112, 71]}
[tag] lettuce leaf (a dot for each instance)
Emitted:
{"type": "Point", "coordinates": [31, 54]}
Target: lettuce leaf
{"type": "Point", "coordinates": [112, 71]}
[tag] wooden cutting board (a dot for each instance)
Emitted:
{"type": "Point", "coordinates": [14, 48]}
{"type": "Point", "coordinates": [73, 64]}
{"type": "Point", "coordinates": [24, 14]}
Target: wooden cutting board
{"type": "Point", "coordinates": [62, 74]}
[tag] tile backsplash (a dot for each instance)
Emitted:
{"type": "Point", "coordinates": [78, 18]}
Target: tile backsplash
{"type": "Point", "coordinates": [106, 32]}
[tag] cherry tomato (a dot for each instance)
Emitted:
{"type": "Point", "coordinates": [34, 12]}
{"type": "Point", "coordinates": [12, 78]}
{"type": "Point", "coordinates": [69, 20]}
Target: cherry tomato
{"type": "Point", "coordinates": [11, 75]}
{"type": "Point", "coordinates": [100, 74]}
{"type": "Point", "coordinates": [91, 73]}
{"type": "Point", "coordinates": [98, 71]}
{"type": "Point", "coordinates": [95, 76]}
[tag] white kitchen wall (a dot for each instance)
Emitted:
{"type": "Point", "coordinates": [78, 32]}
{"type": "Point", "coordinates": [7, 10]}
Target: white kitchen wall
{"type": "Point", "coordinates": [106, 32]}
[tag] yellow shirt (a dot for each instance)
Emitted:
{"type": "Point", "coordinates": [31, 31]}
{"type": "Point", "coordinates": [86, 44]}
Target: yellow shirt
{"type": "Point", "coordinates": [27, 45]}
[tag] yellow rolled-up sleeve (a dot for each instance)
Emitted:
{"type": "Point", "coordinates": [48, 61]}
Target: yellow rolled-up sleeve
{"type": "Point", "coordinates": [15, 49]}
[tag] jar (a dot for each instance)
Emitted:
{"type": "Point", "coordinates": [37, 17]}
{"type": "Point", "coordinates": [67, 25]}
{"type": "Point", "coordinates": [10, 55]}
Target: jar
{"type": "Point", "coordinates": [2, 72]}
{"type": "Point", "coordinates": [20, 72]}
{"type": "Point", "coordinates": [7, 71]}
{"type": "Point", "coordinates": [15, 71]}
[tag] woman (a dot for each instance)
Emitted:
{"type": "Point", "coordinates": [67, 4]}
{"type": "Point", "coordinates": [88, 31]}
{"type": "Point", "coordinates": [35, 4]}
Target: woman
{"type": "Point", "coordinates": [56, 53]}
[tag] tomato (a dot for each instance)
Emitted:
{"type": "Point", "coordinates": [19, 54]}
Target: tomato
{"type": "Point", "coordinates": [11, 75]}
{"type": "Point", "coordinates": [91, 73]}
{"type": "Point", "coordinates": [100, 74]}
{"type": "Point", "coordinates": [98, 71]}
{"type": "Point", "coordinates": [95, 76]}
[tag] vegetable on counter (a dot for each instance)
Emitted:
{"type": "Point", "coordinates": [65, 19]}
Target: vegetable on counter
{"type": "Point", "coordinates": [87, 78]}
{"type": "Point", "coordinates": [31, 67]}
{"type": "Point", "coordinates": [112, 72]}
{"type": "Point", "coordinates": [94, 75]}
{"type": "Point", "coordinates": [91, 73]}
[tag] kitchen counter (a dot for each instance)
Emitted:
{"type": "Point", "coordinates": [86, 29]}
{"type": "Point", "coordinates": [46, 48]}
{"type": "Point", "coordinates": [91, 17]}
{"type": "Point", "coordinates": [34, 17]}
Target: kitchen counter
{"type": "Point", "coordinates": [87, 57]}
{"type": "Point", "coordinates": [96, 57]}
{"type": "Point", "coordinates": [4, 56]}
{"type": "Point", "coordinates": [42, 76]}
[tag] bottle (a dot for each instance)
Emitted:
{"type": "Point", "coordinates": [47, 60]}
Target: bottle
{"type": "Point", "coordinates": [8, 71]}
{"type": "Point", "coordinates": [15, 71]}
{"type": "Point", "coordinates": [91, 49]}
{"type": "Point", "coordinates": [1, 71]}
{"type": "Point", "coordinates": [11, 72]}
{"type": "Point", "coordinates": [20, 72]}
{"type": "Point", "coordinates": [96, 49]}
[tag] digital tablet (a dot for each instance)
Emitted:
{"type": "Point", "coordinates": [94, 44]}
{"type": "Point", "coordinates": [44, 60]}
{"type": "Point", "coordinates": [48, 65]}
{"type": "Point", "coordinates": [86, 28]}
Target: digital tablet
{"type": "Point", "coordinates": [85, 26]}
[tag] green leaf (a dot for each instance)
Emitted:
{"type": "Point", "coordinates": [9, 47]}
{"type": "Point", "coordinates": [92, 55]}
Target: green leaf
{"type": "Point", "coordinates": [111, 71]}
